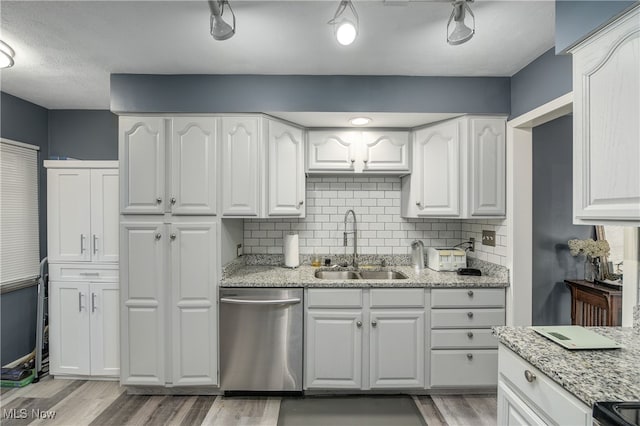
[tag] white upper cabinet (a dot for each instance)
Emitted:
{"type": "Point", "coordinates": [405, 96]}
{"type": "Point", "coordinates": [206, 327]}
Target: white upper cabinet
{"type": "Point", "coordinates": [385, 151]}
{"type": "Point", "coordinates": [142, 165]}
{"type": "Point", "coordinates": [459, 170]}
{"type": "Point", "coordinates": [355, 151]}
{"type": "Point", "coordinates": [82, 214]}
{"type": "Point", "coordinates": [241, 171]}
{"type": "Point", "coordinates": [285, 170]}
{"type": "Point", "coordinates": [193, 166]}
{"type": "Point", "coordinates": [606, 111]}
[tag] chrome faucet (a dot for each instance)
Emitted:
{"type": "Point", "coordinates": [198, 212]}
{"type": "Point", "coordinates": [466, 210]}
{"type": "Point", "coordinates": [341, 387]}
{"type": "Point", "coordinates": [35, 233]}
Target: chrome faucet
{"type": "Point", "coordinates": [355, 236]}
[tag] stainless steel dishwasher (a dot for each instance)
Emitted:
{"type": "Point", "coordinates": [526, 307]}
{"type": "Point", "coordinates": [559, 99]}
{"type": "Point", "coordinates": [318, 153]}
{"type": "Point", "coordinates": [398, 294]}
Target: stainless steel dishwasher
{"type": "Point", "coordinates": [261, 339]}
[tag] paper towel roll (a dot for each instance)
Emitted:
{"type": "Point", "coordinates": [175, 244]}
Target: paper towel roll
{"type": "Point", "coordinates": [291, 253]}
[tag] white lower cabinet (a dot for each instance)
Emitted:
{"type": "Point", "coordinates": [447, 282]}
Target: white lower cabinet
{"type": "Point", "coordinates": [528, 397]}
{"type": "Point", "coordinates": [350, 345]}
{"type": "Point", "coordinates": [84, 328]}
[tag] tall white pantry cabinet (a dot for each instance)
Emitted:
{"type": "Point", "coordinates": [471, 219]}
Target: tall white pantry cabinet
{"type": "Point", "coordinates": [82, 220]}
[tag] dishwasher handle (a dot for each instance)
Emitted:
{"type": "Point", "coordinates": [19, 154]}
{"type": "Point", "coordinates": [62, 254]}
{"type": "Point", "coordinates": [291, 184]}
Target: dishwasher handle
{"type": "Point", "coordinates": [292, 301]}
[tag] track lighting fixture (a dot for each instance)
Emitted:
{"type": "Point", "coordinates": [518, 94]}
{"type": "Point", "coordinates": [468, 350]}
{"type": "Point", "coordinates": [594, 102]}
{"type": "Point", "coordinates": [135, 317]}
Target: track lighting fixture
{"type": "Point", "coordinates": [461, 33]}
{"type": "Point", "coordinates": [345, 27]}
{"type": "Point", "coordinates": [6, 55]}
{"type": "Point", "coordinates": [220, 29]}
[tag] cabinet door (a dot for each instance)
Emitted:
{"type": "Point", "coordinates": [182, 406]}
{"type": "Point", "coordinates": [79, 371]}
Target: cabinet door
{"type": "Point", "coordinates": [437, 170]}
{"type": "Point", "coordinates": [286, 184]}
{"type": "Point", "coordinates": [104, 215]}
{"type": "Point", "coordinates": [194, 269]}
{"type": "Point", "coordinates": [240, 166]}
{"type": "Point", "coordinates": [104, 304]}
{"type": "Point", "coordinates": [606, 107]}
{"type": "Point", "coordinates": [332, 150]}
{"type": "Point", "coordinates": [513, 411]}
{"type": "Point", "coordinates": [333, 353]}
{"type": "Point", "coordinates": [69, 215]}
{"type": "Point", "coordinates": [385, 151]}
{"type": "Point", "coordinates": [193, 165]}
{"type": "Point", "coordinates": [69, 328]}
{"type": "Point", "coordinates": [142, 292]}
{"type": "Point", "coordinates": [397, 349]}
{"type": "Point", "coordinates": [142, 157]}
{"type": "Point", "coordinates": [488, 183]}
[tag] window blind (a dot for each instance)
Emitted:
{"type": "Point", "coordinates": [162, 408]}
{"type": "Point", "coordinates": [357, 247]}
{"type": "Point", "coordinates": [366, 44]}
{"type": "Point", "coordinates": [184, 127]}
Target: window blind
{"type": "Point", "coordinates": [19, 234]}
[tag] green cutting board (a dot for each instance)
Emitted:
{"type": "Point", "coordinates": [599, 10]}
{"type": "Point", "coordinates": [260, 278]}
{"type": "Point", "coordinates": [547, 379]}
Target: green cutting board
{"type": "Point", "coordinates": [575, 337]}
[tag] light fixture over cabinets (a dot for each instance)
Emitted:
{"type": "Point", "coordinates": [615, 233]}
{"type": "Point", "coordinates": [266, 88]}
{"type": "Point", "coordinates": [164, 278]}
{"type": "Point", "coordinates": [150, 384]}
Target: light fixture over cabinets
{"type": "Point", "coordinates": [6, 55]}
{"type": "Point", "coordinates": [220, 29]}
{"type": "Point", "coordinates": [345, 24]}
{"type": "Point", "coordinates": [461, 32]}
{"type": "Point", "coordinates": [360, 121]}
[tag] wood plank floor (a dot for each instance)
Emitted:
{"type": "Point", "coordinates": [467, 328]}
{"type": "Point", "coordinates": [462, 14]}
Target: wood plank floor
{"type": "Point", "coordinates": [78, 402]}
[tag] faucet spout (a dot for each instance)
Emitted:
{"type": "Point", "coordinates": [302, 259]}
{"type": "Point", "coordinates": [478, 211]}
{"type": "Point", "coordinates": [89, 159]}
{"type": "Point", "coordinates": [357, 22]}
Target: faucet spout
{"type": "Point", "coordinates": [355, 235]}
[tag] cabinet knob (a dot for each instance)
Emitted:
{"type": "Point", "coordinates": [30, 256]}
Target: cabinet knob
{"type": "Point", "coordinates": [173, 200]}
{"type": "Point", "coordinates": [172, 236]}
{"type": "Point", "coordinates": [470, 314]}
{"type": "Point", "coordinates": [469, 357]}
{"type": "Point", "coordinates": [366, 161]}
{"type": "Point", "coordinates": [529, 376]}
{"type": "Point", "coordinates": [158, 236]}
{"type": "Point", "coordinates": [470, 293]}
{"type": "Point", "coordinates": [374, 323]}
{"type": "Point", "coordinates": [418, 203]}
{"type": "Point", "coordinates": [470, 335]}
{"type": "Point", "coordinates": [359, 324]}
{"type": "Point", "coordinates": [159, 200]}
{"type": "Point", "coordinates": [301, 203]}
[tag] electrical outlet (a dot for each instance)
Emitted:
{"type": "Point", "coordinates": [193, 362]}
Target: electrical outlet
{"type": "Point", "coordinates": [472, 248]}
{"type": "Point", "coordinates": [489, 238]}
{"type": "Point", "coordinates": [239, 250]}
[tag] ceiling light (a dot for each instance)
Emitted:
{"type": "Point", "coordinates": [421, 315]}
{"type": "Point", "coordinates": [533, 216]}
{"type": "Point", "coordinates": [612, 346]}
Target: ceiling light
{"type": "Point", "coordinates": [220, 30]}
{"type": "Point", "coordinates": [6, 55]}
{"type": "Point", "coordinates": [360, 121]}
{"type": "Point", "coordinates": [345, 27]}
{"type": "Point", "coordinates": [461, 32]}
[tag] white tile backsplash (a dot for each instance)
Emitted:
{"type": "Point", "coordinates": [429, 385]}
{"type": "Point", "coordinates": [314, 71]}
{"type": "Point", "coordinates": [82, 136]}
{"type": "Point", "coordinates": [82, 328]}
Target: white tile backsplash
{"type": "Point", "coordinates": [381, 230]}
{"type": "Point", "coordinates": [474, 228]}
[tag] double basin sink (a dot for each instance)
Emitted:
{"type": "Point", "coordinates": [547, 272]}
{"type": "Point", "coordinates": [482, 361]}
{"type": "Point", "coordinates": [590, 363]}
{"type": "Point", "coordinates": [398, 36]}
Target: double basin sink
{"type": "Point", "coordinates": [360, 275]}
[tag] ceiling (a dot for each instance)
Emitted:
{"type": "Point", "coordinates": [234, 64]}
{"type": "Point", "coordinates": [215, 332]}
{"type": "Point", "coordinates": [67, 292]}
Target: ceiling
{"type": "Point", "coordinates": [65, 51]}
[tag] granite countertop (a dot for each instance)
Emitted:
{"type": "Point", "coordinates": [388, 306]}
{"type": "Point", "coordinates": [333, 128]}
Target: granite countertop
{"type": "Point", "coordinates": [597, 375]}
{"type": "Point", "coordinates": [303, 276]}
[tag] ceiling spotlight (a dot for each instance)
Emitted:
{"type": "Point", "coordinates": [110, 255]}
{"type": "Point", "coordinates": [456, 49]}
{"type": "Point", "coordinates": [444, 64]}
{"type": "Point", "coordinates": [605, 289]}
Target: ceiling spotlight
{"type": "Point", "coordinates": [360, 121]}
{"type": "Point", "coordinates": [6, 55]}
{"type": "Point", "coordinates": [461, 32]}
{"type": "Point", "coordinates": [220, 30]}
{"type": "Point", "coordinates": [345, 27]}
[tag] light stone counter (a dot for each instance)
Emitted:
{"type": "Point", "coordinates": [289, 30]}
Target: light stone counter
{"type": "Point", "coordinates": [590, 375]}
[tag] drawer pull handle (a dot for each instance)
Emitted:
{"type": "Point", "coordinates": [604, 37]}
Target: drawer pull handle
{"type": "Point", "coordinates": [529, 376]}
{"type": "Point", "coordinates": [469, 357]}
{"type": "Point", "coordinates": [90, 274]}
{"type": "Point", "coordinates": [470, 335]}
{"type": "Point", "coordinates": [470, 314]}
{"type": "Point", "coordinates": [79, 302]}
{"type": "Point", "coordinates": [470, 293]}
{"type": "Point", "coordinates": [359, 324]}
{"type": "Point", "coordinates": [93, 302]}
{"type": "Point", "coordinates": [374, 323]}
{"type": "Point", "coordinates": [95, 244]}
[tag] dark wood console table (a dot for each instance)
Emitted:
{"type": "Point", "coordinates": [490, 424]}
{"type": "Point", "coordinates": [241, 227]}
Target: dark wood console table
{"type": "Point", "coordinates": [595, 304]}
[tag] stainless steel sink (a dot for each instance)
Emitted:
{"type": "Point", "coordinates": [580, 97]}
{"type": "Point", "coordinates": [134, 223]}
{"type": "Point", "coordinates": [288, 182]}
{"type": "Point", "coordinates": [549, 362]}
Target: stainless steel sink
{"type": "Point", "coordinates": [337, 275]}
{"type": "Point", "coordinates": [382, 275]}
{"type": "Point", "coordinates": [360, 275]}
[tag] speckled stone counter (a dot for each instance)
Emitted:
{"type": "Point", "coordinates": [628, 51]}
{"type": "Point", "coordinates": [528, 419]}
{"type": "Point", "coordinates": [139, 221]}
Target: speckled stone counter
{"type": "Point", "coordinates": [303, 276]}
{"type": "Point", "coordinates": [598, 375]}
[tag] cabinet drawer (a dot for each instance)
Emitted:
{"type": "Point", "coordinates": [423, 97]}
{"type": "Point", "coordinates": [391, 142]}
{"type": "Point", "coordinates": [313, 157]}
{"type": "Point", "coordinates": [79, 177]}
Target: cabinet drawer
{"type": "Point", "coordinates": [334, 298]}
{"type": "Point", "coordinates": [463, 368]}
{"type": "Point", "coordinates": [466, 318]}
{"type": "Point", "coordinates": [61, 272]}
{"type": "Point", "coordinates": [467, 297]}
{"type": "Point", "coordinates": [543, 392]}
{"type": "Point", "coordinates": [397, 298]}
{"type": "Point", "coordinates": [471, 338]}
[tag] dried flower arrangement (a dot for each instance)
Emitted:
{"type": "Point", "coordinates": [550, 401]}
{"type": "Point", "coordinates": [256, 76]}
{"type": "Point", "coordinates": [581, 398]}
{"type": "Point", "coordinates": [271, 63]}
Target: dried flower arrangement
{"type": "Point", "coordinates": [589, 247]}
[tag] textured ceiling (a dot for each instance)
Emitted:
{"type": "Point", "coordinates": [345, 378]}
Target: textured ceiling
{"type": "Point", "coordinates": [65, 51]}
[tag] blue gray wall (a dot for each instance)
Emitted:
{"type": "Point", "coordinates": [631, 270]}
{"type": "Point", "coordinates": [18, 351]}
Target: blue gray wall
{"type": "Point", "coordinates": [544, 79]}
{"type": "Point", "coordinates": [83, 134]}
{"type": "Point", "coordinates": [25, 122]}
{"type": "Point", "coordinates": [553, 223]}
{"type": "Point", "coordinates": [576, 19]}
{"type": "Point", "coordinates": [136, 93]}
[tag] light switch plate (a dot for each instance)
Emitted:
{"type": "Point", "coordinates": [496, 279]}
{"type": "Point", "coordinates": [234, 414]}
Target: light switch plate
{"type": "Point", "coordinates": [489, 238]}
